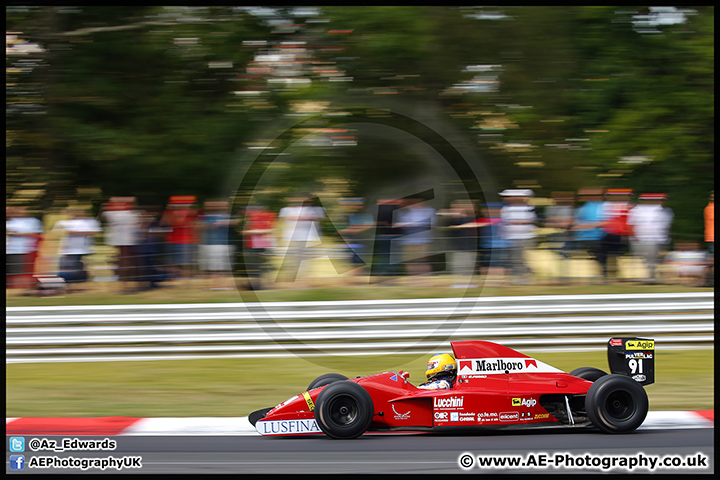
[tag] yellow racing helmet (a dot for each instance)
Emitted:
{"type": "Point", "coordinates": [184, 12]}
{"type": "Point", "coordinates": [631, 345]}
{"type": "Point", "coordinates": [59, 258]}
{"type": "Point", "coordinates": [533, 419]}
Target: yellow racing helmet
{"type": "Point", "coordinates": [440, 363]}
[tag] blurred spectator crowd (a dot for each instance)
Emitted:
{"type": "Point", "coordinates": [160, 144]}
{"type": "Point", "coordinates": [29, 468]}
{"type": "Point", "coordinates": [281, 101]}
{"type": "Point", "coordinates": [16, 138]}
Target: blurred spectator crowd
{"type": "Point", "coordinates": [572, 237]}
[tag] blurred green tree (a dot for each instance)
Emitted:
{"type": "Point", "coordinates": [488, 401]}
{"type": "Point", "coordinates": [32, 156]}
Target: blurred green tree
{"type": "Point", "coordinates": [155, 101]}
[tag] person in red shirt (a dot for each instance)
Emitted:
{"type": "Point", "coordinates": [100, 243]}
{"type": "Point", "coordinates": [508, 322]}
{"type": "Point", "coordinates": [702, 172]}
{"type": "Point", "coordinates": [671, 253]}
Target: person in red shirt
{"type": "Point", "coordinates": [181, 217]}
{"type": "Point", "coordinates": [259, 241]}
{"type": "Point", "coordinates": [616, 230]}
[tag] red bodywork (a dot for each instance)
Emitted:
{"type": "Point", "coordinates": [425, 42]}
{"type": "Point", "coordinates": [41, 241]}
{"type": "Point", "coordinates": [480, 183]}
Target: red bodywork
{"type": "Point", "coordinates": [495, 387]}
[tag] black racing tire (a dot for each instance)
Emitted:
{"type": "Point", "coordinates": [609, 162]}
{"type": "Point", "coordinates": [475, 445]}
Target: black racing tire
{"type": "Point", "coordinates": [616, 404]}
{"type": "Point", "coordinates": [258, 414]}
{"type": "Point", "coordinates": [344, 410]}
{"type": "Point", "coordinates": [588, 373]}
{"type": "Point", "coordinates": [326, 379]}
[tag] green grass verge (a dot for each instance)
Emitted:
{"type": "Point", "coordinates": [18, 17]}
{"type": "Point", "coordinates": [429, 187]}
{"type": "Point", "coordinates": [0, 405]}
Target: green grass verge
{"type": "Point", "coordinates": [235, 387]}
{"type": "Point", "coordinates": [194, 291]}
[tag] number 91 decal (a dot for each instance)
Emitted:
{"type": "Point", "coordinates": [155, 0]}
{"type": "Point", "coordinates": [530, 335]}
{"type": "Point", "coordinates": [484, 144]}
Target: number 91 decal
{"type": "Point", "coordinates": [636, 363]}
{"type": "Point", "coordinates": [636, 368]}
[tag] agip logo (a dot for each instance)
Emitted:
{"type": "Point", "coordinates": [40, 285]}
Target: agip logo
{"type": "Point", "coordinates": [524, 402]}
{"type": "Point", "coordinates": [640, 345]}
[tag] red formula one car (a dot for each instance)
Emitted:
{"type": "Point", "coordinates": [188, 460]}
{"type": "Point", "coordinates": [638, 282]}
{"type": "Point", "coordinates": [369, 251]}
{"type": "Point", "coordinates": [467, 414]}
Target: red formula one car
{"type": "Point", "coordinates": [495, 387]}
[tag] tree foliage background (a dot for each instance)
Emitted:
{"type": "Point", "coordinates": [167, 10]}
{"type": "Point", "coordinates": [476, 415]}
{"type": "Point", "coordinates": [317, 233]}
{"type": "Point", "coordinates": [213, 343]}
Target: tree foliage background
{"type": "Point", "coordinates": [155, 101]}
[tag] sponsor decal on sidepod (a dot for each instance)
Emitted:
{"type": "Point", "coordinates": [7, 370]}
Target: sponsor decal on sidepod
{"type": "Point", "coordinates": [467, 417]}
{"type": "Point", "coordinates": [401, 416]}
{"type": "Point", "coordinates": [447, 402]}
{"type": "Point", "coordinates": [509, 416]}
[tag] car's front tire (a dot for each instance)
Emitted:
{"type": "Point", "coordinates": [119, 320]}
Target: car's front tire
{"type": "Point", "coordinates": [344, 410]}
{"type": "Point", "coordinates": [326, 379]}
{"type": "Point", "coordinates": [616, 404]}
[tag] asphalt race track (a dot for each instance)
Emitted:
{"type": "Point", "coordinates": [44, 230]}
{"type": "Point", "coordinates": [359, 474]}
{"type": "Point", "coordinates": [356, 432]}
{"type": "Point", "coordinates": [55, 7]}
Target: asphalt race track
{"type": "Point", "coordinates": [403, 453]}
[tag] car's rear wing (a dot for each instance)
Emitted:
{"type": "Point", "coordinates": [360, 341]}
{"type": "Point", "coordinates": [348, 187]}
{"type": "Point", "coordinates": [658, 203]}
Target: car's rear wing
{"type": "Point", "coordinates": [634, 357]}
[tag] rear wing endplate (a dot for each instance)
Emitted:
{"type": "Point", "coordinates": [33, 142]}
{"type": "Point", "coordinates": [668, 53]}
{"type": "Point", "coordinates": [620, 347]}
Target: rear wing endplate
{"type": "Point", "coordinates": [634, 357]}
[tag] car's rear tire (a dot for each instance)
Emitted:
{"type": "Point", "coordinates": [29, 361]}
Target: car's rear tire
{"type": "Point", "coordinates": [326, 379]}
{"type": "Point", "coordinates": [588, 373]}
{"type": "Point", "coordinates": [616, 404]}
{"type": "Point", "coordinates": [344, 410]}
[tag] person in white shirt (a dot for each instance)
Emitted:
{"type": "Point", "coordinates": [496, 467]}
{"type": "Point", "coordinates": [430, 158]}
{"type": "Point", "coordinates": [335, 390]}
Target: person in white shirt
{"type": "Point", "coordinates": [76, 243]}
{"type": "Point", "coordinates": [650, 221]}
{"type": "Point", "coordinates": [21, 241]}
{"type": "Point", "coordinates": [123, 232]}
{"type": "Point", "coordinates": [300, 233]}
{"type": "Point", "coordinates": [519, 224]}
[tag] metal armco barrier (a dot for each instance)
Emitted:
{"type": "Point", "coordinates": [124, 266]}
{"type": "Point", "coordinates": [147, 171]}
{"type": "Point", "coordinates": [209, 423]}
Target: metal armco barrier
{"type": "Point", "coordinates": [277, 329]}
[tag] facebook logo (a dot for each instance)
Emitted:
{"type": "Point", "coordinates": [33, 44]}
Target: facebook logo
{"type": "Point", "coordinates": [17, 462]}
{"type": "Point", "coordinates": [17, 444]}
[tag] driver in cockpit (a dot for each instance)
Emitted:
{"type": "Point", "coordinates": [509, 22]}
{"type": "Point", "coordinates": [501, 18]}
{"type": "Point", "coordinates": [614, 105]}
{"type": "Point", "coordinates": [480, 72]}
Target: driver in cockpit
{"type": "Point", "coordinates": [441, 372]}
